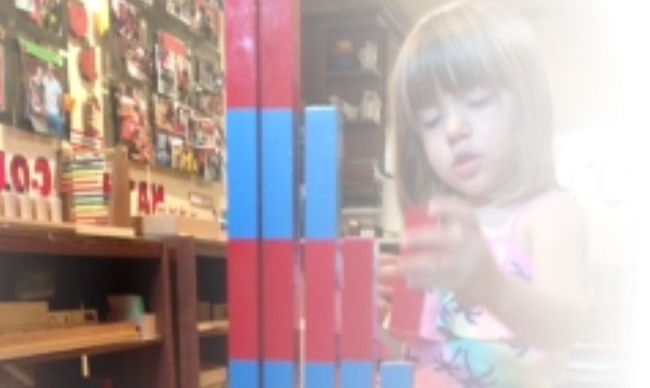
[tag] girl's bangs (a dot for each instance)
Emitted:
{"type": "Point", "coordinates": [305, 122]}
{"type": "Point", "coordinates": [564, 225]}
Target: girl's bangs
{"type": "Point", "coordinates": [453, 66]}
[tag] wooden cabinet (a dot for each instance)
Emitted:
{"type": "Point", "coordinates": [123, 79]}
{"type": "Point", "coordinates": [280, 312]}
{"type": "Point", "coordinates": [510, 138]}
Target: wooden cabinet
{"type": "Point", "coordinates": [84, 272]}
{"type": "Point", "coordinates": [348, 54]}
{"type": "Point", "coordinates": [199, 277]}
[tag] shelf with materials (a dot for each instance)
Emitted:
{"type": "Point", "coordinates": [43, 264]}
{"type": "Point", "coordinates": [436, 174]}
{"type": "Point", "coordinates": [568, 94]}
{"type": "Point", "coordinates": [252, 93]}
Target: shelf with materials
{"type": "Point", "coordinates": [347, 55]}
{"type": "Point", "coordinates": [81, 273]}
{"type": "Point", "coordinates": [199, 273]}
{"type": "Point", "coordinates": [61, 344]}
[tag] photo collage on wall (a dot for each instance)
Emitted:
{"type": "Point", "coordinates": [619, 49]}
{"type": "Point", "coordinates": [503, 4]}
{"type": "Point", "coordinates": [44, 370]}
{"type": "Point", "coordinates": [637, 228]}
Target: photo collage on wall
{"type": "Point", "coordinates": [186, 129]}
{"type": "Point", "coordinates": [131, 117]}
{"type": "Point", "coordinates": [133, 66]}
{"type": "Point", "coordinates": [160, 52]}
{"type": "Point", "coordinates": [132, 49]}
{"type": "Point", "coordinates": [207, 21]}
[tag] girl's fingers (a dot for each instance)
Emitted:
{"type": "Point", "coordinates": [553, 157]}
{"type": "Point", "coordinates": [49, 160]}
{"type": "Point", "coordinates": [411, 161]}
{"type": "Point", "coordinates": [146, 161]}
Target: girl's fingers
{"type": "Point", "coordinates": [430, 239]}
{"type": "Point", "coordinates": [450, 210]}
{"type": "Point", "coordinates": [427, 270]}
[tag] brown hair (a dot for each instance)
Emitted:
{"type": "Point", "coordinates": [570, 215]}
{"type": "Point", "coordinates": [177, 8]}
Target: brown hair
{"type": "Point", "coordinates": [452, 49]}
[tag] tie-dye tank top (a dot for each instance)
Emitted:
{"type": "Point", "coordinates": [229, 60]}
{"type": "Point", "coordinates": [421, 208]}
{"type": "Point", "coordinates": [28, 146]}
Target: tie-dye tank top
{"type": "Point", "coordinates": [472, 348]}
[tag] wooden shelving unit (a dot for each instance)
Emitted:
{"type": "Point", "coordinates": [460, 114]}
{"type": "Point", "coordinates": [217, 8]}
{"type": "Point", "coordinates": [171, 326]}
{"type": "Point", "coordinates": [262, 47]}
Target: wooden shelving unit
{"type": "Point", "coordinates": [199, 274]}
{"type": "Point", "coordinates": [87, 270]}
{"type": "Point", "coordinates": [336, 43]}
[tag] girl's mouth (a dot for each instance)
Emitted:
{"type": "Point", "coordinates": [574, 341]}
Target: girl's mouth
{"type": "Point", "coordinates": [466, 166]}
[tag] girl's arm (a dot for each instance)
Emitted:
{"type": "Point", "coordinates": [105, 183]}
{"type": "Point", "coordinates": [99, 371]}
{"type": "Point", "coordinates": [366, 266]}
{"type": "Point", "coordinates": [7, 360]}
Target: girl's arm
{"type": "Point", "coordinates": [549, 312]}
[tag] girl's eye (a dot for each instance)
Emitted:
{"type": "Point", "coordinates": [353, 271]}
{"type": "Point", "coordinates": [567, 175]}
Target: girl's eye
{"type": "Point", "coordinates": [479, 102]}
{"type": "Point", "coordinates": [433, 123]}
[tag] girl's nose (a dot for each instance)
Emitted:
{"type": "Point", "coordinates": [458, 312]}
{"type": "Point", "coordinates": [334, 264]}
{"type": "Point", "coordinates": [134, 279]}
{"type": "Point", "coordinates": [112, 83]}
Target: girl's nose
{"type": "Point", "coordinates": [456, 127]}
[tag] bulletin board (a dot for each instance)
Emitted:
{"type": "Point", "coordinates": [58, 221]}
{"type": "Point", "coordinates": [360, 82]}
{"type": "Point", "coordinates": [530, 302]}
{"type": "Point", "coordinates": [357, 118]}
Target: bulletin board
{"type": "Point", "coordinates": [145, 74]}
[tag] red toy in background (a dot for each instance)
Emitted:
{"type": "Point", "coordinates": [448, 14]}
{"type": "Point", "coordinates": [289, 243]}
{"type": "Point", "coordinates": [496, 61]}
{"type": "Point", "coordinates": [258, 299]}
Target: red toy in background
{"type": "Point", "coordinates": [408, 304]}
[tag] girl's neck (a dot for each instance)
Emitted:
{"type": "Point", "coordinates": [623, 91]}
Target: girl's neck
{"type": "Point", "coordinates": [492, 214]}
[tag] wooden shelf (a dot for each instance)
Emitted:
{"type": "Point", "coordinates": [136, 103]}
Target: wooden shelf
{"type": "Point", "coordinates": [213, 376]}
{"type": "Point", "coordinates": [67, 243]}
{"type": "Point", "coordinates": [213, 328]}
{"type": "Point", "coordinates": [55, 344]}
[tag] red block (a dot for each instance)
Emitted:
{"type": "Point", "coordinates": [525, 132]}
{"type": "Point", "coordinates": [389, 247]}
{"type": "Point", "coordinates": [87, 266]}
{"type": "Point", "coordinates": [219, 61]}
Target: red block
{"type": "Point", "coordinates": [406, 312]}
{"type": "Point", "coordinates": [279, 301]}
{"type": "Point", "coordinates": [320, 296]}
{"type": "Point", "coordinates": [359, 319]}
{"type": "Point", "coordinates": [241, 54]}
{"type": "Point", "coordinates": [244, 299]}
{"type": "Point", "coordinates": [280, 59]}
{"type": "Point", "coordinates": [408, 304]}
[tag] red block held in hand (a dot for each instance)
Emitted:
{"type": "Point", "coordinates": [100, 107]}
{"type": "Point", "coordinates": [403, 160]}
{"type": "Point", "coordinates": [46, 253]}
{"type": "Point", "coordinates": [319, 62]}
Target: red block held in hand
{"type": "Point", "coordinates": [408, 304]}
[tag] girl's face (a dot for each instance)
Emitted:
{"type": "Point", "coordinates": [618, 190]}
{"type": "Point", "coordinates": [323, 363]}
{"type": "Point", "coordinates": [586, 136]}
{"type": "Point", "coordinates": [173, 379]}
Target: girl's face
{"type": "Point", "coordinates": [470, 142]}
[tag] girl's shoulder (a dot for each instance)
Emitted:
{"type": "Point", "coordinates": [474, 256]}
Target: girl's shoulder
{"type": "Point", "coordinates": [553, 206]}
{"type": "Point", "coordinates": [555, 215]}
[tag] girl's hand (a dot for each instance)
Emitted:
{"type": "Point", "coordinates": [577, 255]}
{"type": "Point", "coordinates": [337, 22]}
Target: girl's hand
{"type": "Point", "coordinates": [450, 253]}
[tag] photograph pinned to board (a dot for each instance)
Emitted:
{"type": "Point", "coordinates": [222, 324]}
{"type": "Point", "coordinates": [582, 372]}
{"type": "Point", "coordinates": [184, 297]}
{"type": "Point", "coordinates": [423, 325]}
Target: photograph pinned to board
{"type": "Point", "coordinates": [210, 76]}
{"type": "Point", "coordinates": [164, 114]}
{"type": "Point", "coordinates": [132, 120]}
{"type": "Point", "coordinates": [207, 22]}
{"type": "Point", "coordinates": [166, 82]}
{"type": "Point", "coordinates": [173, 68]}
{"type": "Point", "coordinates": [163, 150]}
{"type": "Point", "coordinates": [208, 140]}
{"type": "Point", "coordinates": [210, 104]}
{"type": "Point", "coordinates": [44, 89]}
{"type": "Point", "coordinates": [181, 9]}
{"type": "Point", "coordinates": [183, 120]}
{"type": "Point", "coordinates": [202, 133]}
{"type": "Point", "coordinates": [183, 156]}
{"type": "Point", "coordinates": [47, 14]}
{"type": "Point", "coordinates": [131, 43]}
{"type": "Point", "coordinates": [211, 164]}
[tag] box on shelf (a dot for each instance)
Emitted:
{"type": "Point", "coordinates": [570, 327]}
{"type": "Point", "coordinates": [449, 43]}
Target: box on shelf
{"type": "Point", "coordinates": [21, 316]}
{"type": "Point", "coordinates": [162, 225]}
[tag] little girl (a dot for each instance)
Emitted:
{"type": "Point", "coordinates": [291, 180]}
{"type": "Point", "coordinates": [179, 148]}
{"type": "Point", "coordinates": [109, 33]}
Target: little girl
{"type": "Point", "coordinates": [505, 261]}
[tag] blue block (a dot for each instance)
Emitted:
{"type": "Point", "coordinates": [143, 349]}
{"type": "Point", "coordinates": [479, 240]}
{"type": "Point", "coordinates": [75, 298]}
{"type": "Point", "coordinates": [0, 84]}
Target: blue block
{"type": "Point", "coordinates": [278, 175]}
{"type": "Point", "coordinates": [322, 166]}
{"type": "Point", "coordinates": [320, 375]}
{"type": "Point", "coordinates": [244, 374]}
{"type": "Point", "coordinates": [397, 375]}
{"type": "Point", "coordinates": [243, 176]}
{"type": "Point", "coordinates": [357, 374]}
{"type": "Point", "coordinates": [279, 375]}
